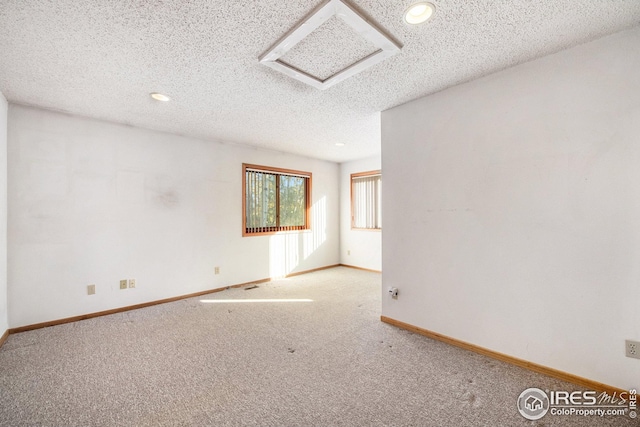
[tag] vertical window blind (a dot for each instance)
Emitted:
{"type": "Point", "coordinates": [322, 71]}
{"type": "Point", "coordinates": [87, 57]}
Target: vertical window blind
{"type": "Point", "coordinates": [275, 201]}
{"type": "Point", "coordinates": [366, 200]}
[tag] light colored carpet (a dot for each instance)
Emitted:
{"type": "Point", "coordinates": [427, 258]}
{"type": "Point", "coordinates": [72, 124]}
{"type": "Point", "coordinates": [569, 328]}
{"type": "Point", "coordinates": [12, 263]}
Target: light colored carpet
{"type": "Point", "coordinates": [329, 362]}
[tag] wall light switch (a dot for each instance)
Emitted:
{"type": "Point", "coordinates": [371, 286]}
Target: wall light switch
{"type": "Point", "coordinates": [91, 289]}
{"type": "Point", "coordinates": [123, 284]}
{"type": "Point", "coordinates": [132, 283]}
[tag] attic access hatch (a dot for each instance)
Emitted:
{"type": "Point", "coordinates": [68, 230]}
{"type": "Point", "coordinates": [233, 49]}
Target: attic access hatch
{"type": "Point", "coordinates": [385, 46]}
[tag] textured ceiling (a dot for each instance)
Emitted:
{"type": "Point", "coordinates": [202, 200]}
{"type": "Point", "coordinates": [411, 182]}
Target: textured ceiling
{"type": "Point", "coordinates": [101, 58]}
{"type": "Point", "coordinates": [329, 49]}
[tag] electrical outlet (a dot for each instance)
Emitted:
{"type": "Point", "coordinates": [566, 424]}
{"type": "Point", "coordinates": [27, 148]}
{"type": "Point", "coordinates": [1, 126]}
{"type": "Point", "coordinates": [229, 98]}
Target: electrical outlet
{"type": "Point", "coordinates": [217, 270]}
{"type": "Point", "coordinates": [91, 289]}
{"type": "Point", "coordinates": [632, 349]}
{"type": "Point", "coordinates": [132, 283]}
{"type": "Point", "coordinates": [123, 284]}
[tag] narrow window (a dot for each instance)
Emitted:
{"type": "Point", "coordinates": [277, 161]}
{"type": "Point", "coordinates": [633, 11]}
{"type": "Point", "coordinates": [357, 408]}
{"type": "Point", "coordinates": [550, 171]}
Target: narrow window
{"type": "Point", "coordinates": [275, 200]}
{"type": "Point", "coordinates": [366, 200]}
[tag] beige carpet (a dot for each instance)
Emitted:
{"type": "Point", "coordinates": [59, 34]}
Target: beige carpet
{"type": "Point", "coordinates": [324, 362]}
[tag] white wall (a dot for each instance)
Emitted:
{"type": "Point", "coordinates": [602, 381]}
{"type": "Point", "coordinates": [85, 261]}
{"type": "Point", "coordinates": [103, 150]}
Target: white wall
{"type": "Point", "coordinates": [4, 319]}
{"type": "Point", "coordinates": [358, 248]}
{"type": "Point", "coordinates": [512, 210]}
{"type": "Point", "coordinates": [92, 202]}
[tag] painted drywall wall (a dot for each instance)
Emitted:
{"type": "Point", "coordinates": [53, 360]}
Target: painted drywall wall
{"type": "Point", "coordinates": [511, 210]}
{"type": "Point", "coordinates": [4, 319]}
{"type": "Point", "coordinates": [358, 248]}
{"type": "Point", "coordinates": [92, 202]}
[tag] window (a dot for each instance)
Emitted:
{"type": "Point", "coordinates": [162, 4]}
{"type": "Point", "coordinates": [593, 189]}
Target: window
{"type": "Point", "coordinates": [275, 200]}
{"type": "Point", "coordinates": [366, 200]}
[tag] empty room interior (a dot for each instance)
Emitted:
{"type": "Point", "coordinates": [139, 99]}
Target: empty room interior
{"type": "Point", "coordinates": [316, 210]}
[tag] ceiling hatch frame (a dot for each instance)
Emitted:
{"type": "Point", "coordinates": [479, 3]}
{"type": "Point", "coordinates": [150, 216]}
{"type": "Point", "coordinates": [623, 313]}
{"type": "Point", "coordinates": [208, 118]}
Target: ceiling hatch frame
{"type": "Point", "coordinates": [387, 47]}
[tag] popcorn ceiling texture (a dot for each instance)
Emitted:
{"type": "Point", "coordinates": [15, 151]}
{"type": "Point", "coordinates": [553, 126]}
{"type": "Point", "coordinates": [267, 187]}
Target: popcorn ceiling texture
{"type": "Point", "coordinates": [329, 49]}
{"type": "Point", "coordinates": [102, 58]}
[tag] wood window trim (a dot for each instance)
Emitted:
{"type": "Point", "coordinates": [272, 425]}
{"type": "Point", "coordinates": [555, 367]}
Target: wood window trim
{"type": "Point", "coordinates": [360, 175]}
{"type": "Point", "coordinates": [278, 171]}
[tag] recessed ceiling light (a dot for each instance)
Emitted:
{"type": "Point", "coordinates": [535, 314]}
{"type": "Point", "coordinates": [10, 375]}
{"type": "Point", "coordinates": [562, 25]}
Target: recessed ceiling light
{"type": "Point", "coordinates": [418, 13]}
{"type": "Point", "coordinates": [160, 97]}
{"type": "Point", "coordinates": [339, 144]}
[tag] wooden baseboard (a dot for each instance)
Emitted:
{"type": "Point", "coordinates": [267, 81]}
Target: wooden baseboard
{"type": "Point", "coordinates": [115, 310]}
{"type": "Point", "coordinates": [4, 337]}
{"type": "Point", "coordinates": [147, 304]}
{"type": "Point", "coordinates": [359, 268]}
{"type": "Point", "coordinates": [550, 372]}
{"type": "Point", "coordinates": [312, 270]}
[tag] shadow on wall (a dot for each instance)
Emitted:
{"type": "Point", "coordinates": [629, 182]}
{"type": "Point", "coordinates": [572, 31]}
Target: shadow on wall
{"type": "Point", "coordinates": [287, 250]}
